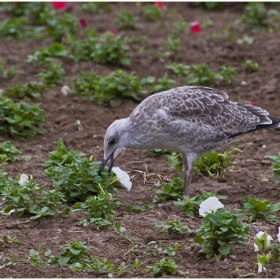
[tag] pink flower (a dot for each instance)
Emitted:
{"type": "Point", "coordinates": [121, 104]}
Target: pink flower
{"type": "Point", "coordinates": [83, 22]}
{"type": "Point", "coordinates": [195, 26]}
{"type": "Point", "coordinates": [253, 103]}
{"type": "Point", "coordinates": [59, 5]}
{"type": "Point", "coordinates": [160, 5]}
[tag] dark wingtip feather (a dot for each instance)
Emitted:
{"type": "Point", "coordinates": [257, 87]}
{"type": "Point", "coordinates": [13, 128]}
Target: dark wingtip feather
{"type": "Point", "coordinates": [275, 122]}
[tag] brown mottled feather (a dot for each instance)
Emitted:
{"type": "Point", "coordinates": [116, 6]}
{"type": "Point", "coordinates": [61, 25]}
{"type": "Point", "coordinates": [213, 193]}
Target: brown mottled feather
{"type": "Point", "coordinates": [207, 106]}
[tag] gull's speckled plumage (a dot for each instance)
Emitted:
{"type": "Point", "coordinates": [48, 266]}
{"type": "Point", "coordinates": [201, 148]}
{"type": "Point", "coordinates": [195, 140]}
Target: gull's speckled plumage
{"type": "Point", "coordinates": [190, 120]}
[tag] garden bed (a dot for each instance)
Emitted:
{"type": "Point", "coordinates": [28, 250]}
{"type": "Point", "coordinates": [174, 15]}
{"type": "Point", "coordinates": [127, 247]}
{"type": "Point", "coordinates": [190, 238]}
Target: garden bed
{"type": "Point", "coordinates": [215, 45]}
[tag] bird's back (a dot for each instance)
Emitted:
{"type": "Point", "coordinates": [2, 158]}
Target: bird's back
{"type": "Point", "coordinates": [205, 106]}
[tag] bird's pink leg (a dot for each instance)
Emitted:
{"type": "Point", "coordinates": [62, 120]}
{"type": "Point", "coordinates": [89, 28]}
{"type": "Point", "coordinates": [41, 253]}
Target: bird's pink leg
{"type": "Point", "coordinates": [187, 171]}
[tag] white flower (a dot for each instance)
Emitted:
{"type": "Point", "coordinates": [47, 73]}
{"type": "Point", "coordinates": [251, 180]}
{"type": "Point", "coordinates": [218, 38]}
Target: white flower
{"type": "Point", "coordinates": [65, 90]}
{"type": "Point", "coordinates": [209, 205]}
{"type": "Point", "coordinates": [260, 268]}
{"type": "Point", "coordinates": [24, 180]}
{"type": "Point", "coordinates": [259, 235]}
{"type": "Point", "coordinates": [123, 177]}
{"type": "Point", "coordinates": [278, 235]}
{"type": "Point", "coordinates": [11, 212]}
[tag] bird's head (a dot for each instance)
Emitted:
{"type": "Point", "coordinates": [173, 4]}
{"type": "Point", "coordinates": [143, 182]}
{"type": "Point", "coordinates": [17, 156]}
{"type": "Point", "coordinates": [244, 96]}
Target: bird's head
{"type": "Point", "coordinates": [115, 140]}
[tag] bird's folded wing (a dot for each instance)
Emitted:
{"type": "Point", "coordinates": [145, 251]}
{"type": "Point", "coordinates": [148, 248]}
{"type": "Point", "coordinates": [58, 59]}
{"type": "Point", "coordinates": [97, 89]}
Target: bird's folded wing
{"type": "Point", "coordinates": [206, 106]}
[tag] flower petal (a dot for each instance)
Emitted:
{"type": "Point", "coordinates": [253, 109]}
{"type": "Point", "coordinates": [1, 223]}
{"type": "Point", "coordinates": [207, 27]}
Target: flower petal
{"type": "Point", "coordinates": [256, 247]}
{"type": "Point", "coordinates": [123, 177]}
{"type": "Point", "coordinates": [259, 267]}
{"type": "Point", "coordinates": [24, 179]}
{"type": "Point", "coordinates": [195, 27]}
{"type": "Point", "coordinates": [210, 205]}
{"type": "Point", "coordinates": [58, 5]}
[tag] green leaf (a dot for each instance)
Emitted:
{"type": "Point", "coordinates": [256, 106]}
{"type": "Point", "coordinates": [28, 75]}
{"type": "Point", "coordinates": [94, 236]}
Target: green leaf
{"type": "Point", "coordinates": [199, 239]}
{"type": "Point", "coordinates": [63, 261]}
{"type": "Point", "coordinates": [224, 249]}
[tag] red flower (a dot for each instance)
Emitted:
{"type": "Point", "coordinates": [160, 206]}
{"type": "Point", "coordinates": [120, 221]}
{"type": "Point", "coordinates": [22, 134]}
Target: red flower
{"type": "Point", "coordinates": [160, 5]}
{"type": "Point", "coordinates": [253, 103]}
{"type": "Point", "coordinates": [59, 5]}
{"type": "Point", "coordinates": [114, 32]}
{"type": "Point", "coordinates": [83, 22]}
{"type": "Point", "coordinates": [195, 27]}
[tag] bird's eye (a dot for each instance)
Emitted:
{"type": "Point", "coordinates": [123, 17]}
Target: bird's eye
{"type": "Point", "coordinates": [112, 141]}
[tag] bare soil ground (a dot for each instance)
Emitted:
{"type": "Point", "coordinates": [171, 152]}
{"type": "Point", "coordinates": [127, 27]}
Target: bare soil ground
{"type": "Point", "coordinates": [249, 177]}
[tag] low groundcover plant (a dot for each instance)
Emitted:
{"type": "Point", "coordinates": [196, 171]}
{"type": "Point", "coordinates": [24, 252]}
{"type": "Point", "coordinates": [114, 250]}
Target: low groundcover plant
{"type": "Point", "coordinates": [218, 229]}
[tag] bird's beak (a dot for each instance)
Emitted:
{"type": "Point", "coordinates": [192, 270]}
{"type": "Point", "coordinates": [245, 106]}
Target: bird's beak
{"type": "Point", "coordinates": [104, 162]}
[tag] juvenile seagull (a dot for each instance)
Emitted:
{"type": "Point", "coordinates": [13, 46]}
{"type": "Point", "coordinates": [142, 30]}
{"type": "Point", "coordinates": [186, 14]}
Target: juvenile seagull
{"type": "Point", "coordinates": [191, 120]}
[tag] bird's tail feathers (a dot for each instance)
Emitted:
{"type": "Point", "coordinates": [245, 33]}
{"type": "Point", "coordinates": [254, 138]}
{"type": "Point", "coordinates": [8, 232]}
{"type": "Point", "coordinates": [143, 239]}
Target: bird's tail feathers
{"type": "Point", "coordinates": [274, 123]}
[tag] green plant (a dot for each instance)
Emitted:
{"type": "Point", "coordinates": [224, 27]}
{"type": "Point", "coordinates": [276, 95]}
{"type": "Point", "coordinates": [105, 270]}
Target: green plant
{"type": "Point", "coordinates": [262, 244]}
{"type": "Point", "coordinates": [159, 151]}
{"type": "Point", "coordinates": [53, 75]}
{"type": "Point", "coordinates": [111, 50]}
{"type": "Point", "coordinates": [5, 261]}
{"type": "Point", "coordinates": [28, 9]}
{"type": "Point", "coordinates": [82, 50]}
{"type": "Point", "coordinates": [21, 119]}
{"type": "Point", "coordinates": [260, 209]}
{"type": "Point", "coordinates": [276, 167]}
{"type": "Point", "coordinates": [172, 190]}
{"type": "Point", "coordinates": [16, 10]}
{"type": "Point", "coordinates": [75, 256]}
{"type": "Point", "coordinates": [139, 209]}
{"type": "Point", "coordinates": [9, 73]}
{"type": "Point", "coordinates": [210, 5]}
{"type": "Point", "coordinates": [218, 230]}
{"type": "Point", "coordinates": [175, 160]}
{"type": "Point", "coordinates": [61, 156]}
{"type": "Point", "coordinates": [173, 46]}
{"type": "Point", "coordinates": [30, 198]}
{"type": "Point", "coordinates": [102, 266]}
{"type": "Point", "coordinates": [46, 19]}
{"type": "Point", "coordinates": [154, 249]}
{"type": "Point", "coordinates": [58, 24]}
{"type": "Point", "coordinates": [178, 69]}
{"type": "Point", "coordinates": [151, 12]}
{"type": "Point", "coordinates": [100, 209]}
{"type": "Point", "coordinates": [127, 21]}
{"type": "Point", "coordinates": [165, 267]}
{"type": "Point", "coordinates": [212, 164]}
{"type": "Point", "coordinates": [172, 228]}
{"type": "Point", "coordinates": [246, 40]}
{"type": "Point", "coordinates": [180, 27]}
{"type": "Point", "coordinates": [97, 7]}
{"type": "Point", "coordinates": [32, 89]}
{"type": "Point", "coordinates": [201, 74]}
{"type": "Point", "coordinates": [44, 55]}
{"type": "Point", "coordinates": [13, 27]}
{"type": "Point", "coordinates": [74, 175]}
{"type": "Point", "coordinates": [275, 251]}
{"type": "Point", "coordinates": [8, 239]}
{"type": "Point", "coordinates": [112, 88]}
{"type": "Point", "coordinates": [251, 66]}
{"type": "Point", "coordinates": [258, 18]}
{"type": "Point", "coordinates": [228, 74]}
{"type": "Point", "coordinates": [190, 205]}
{"type": "Point", "coordinates": [9, 151]}
{"type": "Point", "coordinates": [207, 23]}
{"type": "Point", "coordinates": [73, 253]}
{"type": "Point", "coordinates": [162, 84]}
